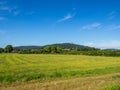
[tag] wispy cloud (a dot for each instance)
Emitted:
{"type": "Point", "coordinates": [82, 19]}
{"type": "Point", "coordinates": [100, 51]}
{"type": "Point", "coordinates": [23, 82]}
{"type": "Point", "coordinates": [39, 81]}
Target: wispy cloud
{"type": "Point", "coordinates": [68, 16]}
{"type": "Point", "coordinates": [5, 8]}
{"type": "Point", "coordinates": [65, 18]}
{"type": "Point", "coordinates": [112, 15]}
{"type": "Point", "coordinates": [91, 44]}
{"type": "Point", "coordinates": [13, 10]}
{"type": "Point", "coordinates": [112, 27]}
{"type": "Point", "coordinates": [91, 26]}
{"type": "Point", "coordinates": [115, 27]}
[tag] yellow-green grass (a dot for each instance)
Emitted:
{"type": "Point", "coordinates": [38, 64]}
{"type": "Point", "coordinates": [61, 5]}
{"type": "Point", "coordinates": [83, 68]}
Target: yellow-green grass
{"type": "Point", "coordinates": [19, 68]}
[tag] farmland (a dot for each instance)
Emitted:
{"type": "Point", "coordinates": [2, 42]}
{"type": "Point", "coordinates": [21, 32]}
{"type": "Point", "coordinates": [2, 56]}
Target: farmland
{"type": "Point", "coordinates": [58, 72]}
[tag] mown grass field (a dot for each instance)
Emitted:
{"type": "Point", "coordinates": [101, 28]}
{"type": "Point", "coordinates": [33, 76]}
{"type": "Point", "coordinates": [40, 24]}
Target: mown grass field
{"type": "Point", "coordinates": [59, 72]}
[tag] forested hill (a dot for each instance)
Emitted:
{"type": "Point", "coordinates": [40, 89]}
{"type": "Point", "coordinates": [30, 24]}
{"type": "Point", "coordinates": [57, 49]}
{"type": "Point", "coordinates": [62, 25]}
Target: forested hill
{"type": "Point", "coordinates": [71, 46]}
{"type": "Point", "coordinates": [26, 47]}
{"type": "Point", "coordinates": [62, 45]}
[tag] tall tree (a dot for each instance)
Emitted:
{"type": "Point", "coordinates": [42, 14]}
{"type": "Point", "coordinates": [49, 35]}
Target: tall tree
{"type": "Point", "coordinates": [8, 49]}
{"type": "Point", "coordinates": [59, 49]}
{"type": "Point", "coordinates": [47, 49]}
{"type": "Point", "coordinates": [1, 50]}
{"type": "Point", "coordinates": [52, 49]}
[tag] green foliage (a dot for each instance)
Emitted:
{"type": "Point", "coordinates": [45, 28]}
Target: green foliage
{"type": "Point", "coordinates": [21, 51]}
{"type": "Point", "coordinates": [115, 77]}
{"type": "Point", "coordinates": [1, 50]}
{"type": "Point", "coordinates": [65, 48]}
{"type": "Point", "coordinates": [52, 49]}
{"type": "Point", "coordinates": [8, 49]}
{"type": "Point", "coordinates": [47, 49]}
{"type": "Point", "coordinates": [111, 87]}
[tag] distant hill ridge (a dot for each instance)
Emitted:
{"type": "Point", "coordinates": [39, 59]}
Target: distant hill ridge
{"type": "Point", "coordinates": [62, 45]}
{"type": "Point", "coordinates": [26, 47]}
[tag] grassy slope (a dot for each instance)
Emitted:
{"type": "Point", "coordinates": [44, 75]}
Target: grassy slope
{"type": "Point", "coordinates": [21, 68]}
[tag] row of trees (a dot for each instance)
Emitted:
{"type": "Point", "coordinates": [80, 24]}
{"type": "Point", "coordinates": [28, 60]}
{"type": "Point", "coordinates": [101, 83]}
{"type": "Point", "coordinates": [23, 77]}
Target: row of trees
{"type": "Point", "coordinates": [45, 50]}
{"type": "Point", "coordinates": [59, 50]}
{"type": "Point", "coordinates": [52, 49]}
{"type": "Point", "coordinates": [94, 52]}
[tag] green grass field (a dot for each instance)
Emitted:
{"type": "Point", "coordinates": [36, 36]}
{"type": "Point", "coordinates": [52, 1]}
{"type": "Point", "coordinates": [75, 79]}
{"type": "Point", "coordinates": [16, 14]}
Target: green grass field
{"type": "Point", "coordinates": [59, 72]}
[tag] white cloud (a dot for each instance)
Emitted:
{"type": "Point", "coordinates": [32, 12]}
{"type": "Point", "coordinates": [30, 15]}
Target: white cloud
{"type": "Point", "coordinates": [10, 9]}
{"type": "Point", "coordinates": [113, 44]}
{"type": "Point", "coordinates": [89, 44]}
{"type": "Point", "coordinates": [13, 11]}
{"type": "Point", "coordinates": [91, 26]}
{"type": "Point", "coordinates": [5, 8]}
{"type": "Point", "coordinates": [112, 15]}
{"type": "Point", "coordinates": [112, 27]}
{"type": "Point", "coordinates": [67, 17]}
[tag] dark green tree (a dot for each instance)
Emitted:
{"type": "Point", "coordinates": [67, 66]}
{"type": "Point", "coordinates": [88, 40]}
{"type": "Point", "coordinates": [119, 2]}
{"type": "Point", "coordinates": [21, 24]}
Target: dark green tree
{"type": "Point", "coordinates": [52, 49]}
{"type": "Point", "coordinates": [1, 50]}
{"type": "Point", "coordinates": [59, 50]}
{"type": "Point", "coordinates": [8, 49]}
{"type": "Point", "coordinates": [47, 49]}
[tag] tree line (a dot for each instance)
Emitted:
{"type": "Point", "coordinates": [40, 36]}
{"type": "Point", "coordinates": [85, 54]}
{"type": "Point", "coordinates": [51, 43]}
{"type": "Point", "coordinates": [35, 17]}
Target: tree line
{"type": "Point", "coordinates": [58, 50]}
{"type": "Point", "coordinates": [7, 49]}
{"type": "Point", "coordinates": [45, 50]}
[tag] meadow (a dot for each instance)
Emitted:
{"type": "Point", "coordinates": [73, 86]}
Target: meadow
{"type": "Point", "coordinates": [59, 72]}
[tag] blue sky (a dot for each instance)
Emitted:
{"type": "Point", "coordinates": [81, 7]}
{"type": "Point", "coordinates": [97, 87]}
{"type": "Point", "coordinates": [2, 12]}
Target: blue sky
{"type": "Point", "coordinates": [93, 23]}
